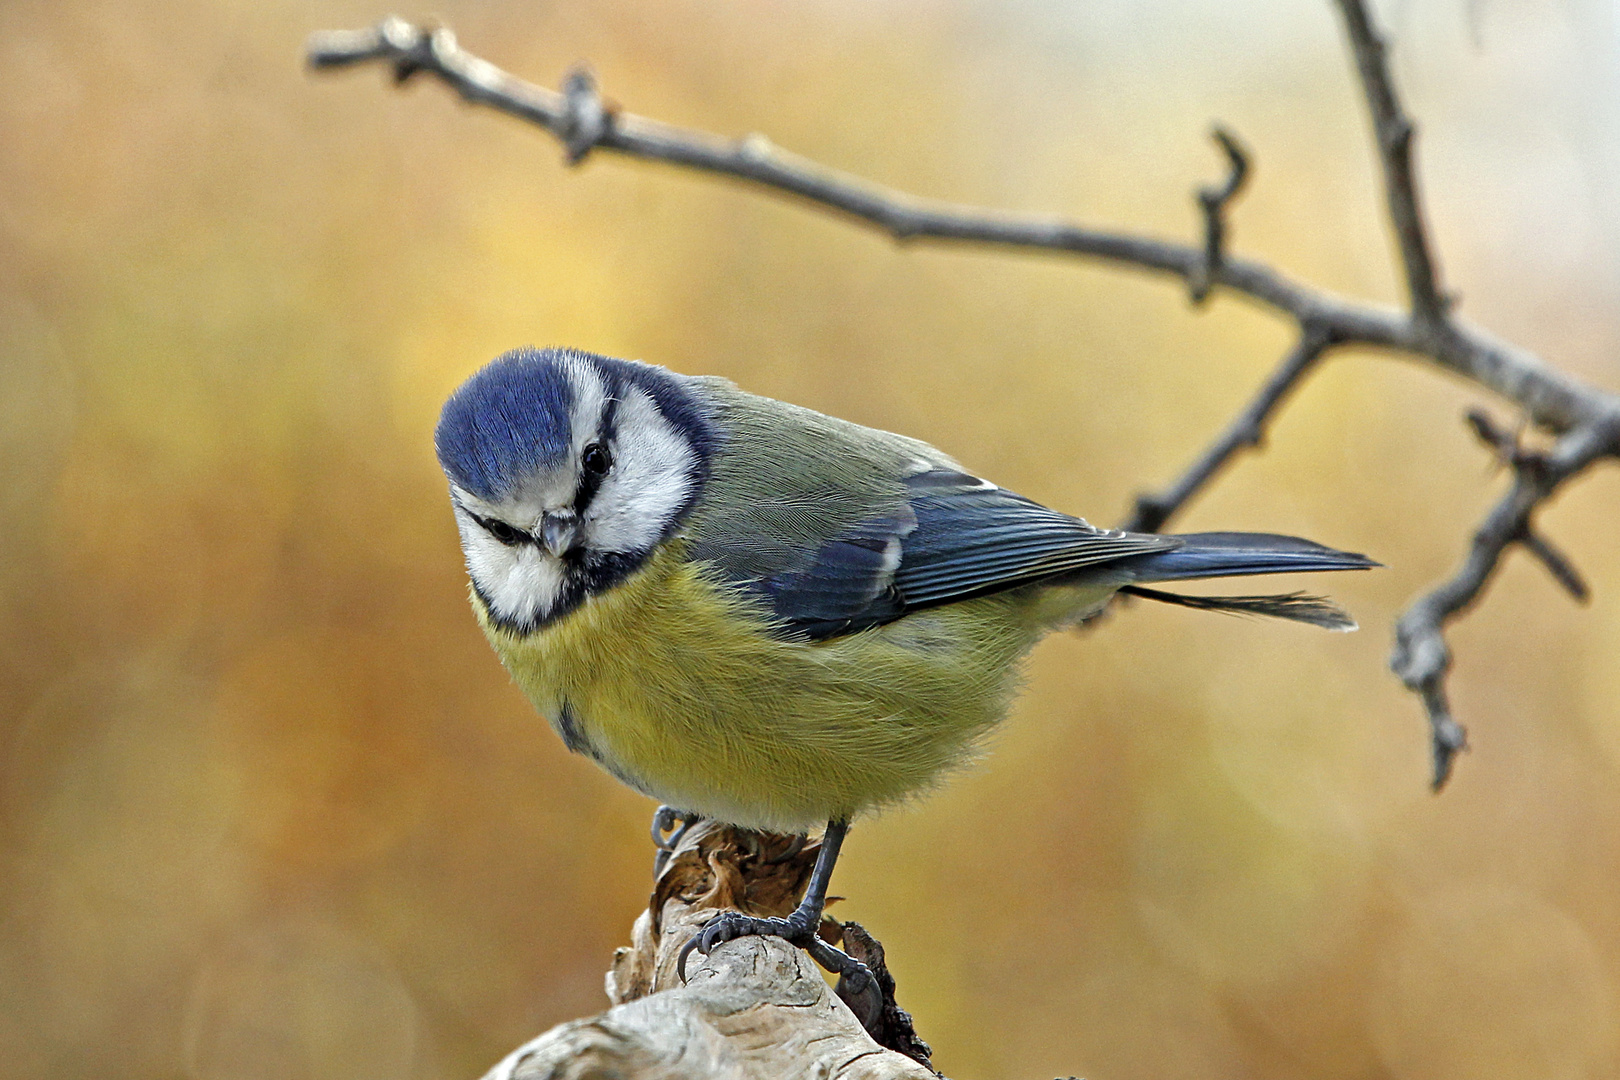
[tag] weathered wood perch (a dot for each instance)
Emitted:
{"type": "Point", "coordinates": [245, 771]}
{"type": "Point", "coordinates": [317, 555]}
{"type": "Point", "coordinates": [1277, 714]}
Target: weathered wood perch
{"type": "Point", "coordinates": [755, 1009]}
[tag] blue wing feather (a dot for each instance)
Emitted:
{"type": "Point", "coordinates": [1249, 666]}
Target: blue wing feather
{"type": "Point", "coordinates": [973, 538]}
{"type": "Point", "coordinates": [850, 584]}
{"type": "Point", "coordinates": [954, 537]}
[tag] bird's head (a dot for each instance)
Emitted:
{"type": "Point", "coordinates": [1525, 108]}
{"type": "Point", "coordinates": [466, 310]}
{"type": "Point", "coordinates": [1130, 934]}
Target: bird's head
{"type": "Point", "coordinates": [566, 470]}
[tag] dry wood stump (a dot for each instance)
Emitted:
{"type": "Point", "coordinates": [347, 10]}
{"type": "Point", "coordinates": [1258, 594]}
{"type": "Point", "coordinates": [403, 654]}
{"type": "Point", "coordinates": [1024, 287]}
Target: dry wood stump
{"type": "Point", "coordinates": [755, 1009]}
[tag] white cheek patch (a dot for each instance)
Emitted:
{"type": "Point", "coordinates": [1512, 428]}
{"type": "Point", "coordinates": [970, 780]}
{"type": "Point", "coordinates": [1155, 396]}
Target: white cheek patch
{"type": "Point", "coordinates": [650, 482]}
{"type": "Point", "coordinates": [521, 583]}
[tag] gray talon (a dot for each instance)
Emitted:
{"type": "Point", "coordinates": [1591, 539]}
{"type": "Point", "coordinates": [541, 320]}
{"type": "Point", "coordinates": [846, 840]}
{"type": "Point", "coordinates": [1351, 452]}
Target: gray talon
{"type": "Point", "coordinates": [667, 819]}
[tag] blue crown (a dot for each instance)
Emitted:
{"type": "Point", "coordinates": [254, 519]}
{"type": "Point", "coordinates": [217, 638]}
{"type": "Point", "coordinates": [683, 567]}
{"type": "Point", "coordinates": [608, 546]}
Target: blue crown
{"type": "Point", "coordinates": [506, 423]}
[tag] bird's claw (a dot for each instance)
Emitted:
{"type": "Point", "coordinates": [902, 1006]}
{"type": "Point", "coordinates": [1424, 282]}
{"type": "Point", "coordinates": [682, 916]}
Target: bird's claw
{"type": "Point", "coordinates": [675, 823]}
{"type": "Point", "coordinates": [856, 984]}
{"type": "Point", "coordinates": [729, 925]}
{"type": "Point", "coordinates": [734, 924]}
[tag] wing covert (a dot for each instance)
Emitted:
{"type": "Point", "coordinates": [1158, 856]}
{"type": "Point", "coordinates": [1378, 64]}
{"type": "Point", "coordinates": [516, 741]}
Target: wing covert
{"type": "Point", "coordinates": [954, 537]}
{"type": "Point", "coordinates": [973, 537]}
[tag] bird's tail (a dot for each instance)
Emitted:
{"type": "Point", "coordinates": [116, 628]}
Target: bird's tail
{"type": "Point", "coordinates": [1211, 555]}
{"type": "Point", "coordinates": [1300, 607]}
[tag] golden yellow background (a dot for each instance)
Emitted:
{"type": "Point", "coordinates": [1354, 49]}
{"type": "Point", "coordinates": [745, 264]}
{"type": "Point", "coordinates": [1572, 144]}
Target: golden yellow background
{"type": "Point", "coordinates": [269, 807]}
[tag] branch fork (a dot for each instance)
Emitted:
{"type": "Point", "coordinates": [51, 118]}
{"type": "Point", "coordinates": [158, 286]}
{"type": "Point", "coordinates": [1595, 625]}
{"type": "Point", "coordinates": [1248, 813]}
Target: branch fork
{"type": "Point", "coordinates": [1421, 658]}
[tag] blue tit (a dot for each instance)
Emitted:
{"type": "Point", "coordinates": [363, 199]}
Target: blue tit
{"type": "Point", "coordinates": [769, 616]}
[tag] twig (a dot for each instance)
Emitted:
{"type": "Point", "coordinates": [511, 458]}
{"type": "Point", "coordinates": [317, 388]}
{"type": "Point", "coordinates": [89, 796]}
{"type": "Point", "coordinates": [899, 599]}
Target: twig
{"type": "Point", "coordinates": [1505, 444]}
{"type": "Point", "coordinates": [1421, 657]}
{"type": "Point", "coordinates": [1152, 511]}
{"type": "Point", "coordinates": [1213, 202]}
{"type": "Point", "coordinates": [1557, 564]}
{"type": "Point", "coordinates": [1586, 417]}
{"type": "Point", "coordinates": [1393, 131]}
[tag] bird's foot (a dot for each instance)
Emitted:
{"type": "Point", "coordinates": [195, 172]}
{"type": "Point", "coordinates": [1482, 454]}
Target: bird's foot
{"type": "Point", "coordinates": [669, 825]}
{"type": "Point", "coordinates": [729, 925]}
{"type": "Point", "coordinates": [856, 984]}
{"type": "Point", "coordinates": [859, 986]}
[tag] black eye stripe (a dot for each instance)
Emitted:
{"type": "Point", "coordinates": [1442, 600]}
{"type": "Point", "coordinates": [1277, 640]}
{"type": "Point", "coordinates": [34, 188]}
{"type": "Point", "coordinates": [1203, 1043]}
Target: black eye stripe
{"type": "Point", "coordinates": [590, 478]}
{"type": "Point", "coordinates": [510, 535]}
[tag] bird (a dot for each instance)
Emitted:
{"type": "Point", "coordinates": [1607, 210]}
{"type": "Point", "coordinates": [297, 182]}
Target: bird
{"type": "Point", "coordinates": [761, 614]}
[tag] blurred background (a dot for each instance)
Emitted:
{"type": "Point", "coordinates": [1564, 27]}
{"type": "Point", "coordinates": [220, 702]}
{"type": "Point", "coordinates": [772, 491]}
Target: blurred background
{"type": "Point", "coordinates": [269, 807]}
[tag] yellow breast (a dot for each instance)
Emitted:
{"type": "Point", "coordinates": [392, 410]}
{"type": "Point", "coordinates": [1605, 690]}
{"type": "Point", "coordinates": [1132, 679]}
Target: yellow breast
{"type": "Point", "coordinates": [676, 685]}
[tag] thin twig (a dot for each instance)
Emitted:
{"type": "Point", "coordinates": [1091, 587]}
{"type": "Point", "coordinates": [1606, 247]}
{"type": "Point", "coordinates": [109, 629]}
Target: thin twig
{"type": "Point", "coordinates": [1557, 564]}
{"type": "Point", "coordinates": [1505, 445]}
{"type": "Point", "coordinates": [1394, 132]}
{"type": "Point", "coordinates": [1421, 657]}
{"type": "Point", "coordinates": [1503, 442]}
{"type": "Point", "coordinates": [1213, 201]}
{"type": "Point", "coordinates": [1152, 511]}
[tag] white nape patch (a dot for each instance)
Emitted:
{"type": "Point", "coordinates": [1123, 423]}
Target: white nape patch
{"type": "Point", "coordinates": [650, 482]}
{"type": "Point", "coordinates": [521, 582]}
{"type": "Point", "coordinates": [590, 403]}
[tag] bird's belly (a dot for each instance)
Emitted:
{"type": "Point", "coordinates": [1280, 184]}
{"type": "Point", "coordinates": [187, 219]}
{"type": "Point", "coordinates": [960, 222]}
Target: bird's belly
{"type": "Point", "coordinates": [676, 686]}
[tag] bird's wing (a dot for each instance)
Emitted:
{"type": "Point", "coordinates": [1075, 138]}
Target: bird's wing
{"type": "Point", "coordinates": [953, 536]}
{"type": "Point", "coordinates": [973, 537]}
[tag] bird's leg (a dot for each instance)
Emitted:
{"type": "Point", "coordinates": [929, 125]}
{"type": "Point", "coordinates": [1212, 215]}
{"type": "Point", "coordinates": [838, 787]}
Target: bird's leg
{"type": "Point", "coordinates": [799, 927]}
{"type": "Point", "coordinates": [668, 826]}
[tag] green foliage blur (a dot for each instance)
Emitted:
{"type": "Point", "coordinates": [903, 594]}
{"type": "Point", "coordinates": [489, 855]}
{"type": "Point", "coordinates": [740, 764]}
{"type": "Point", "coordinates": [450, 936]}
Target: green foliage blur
{"type": "Point", "coordinates": [269, 808]}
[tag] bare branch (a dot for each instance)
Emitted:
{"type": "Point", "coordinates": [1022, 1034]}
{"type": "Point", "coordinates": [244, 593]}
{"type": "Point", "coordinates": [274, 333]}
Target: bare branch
{"type": "Point", "coordinates": [1213, 202]}
{"type": "Point", "coordinates": [1506, 446]}
{"type": "Point", "coordinates": [1422, 657]}
{"type": "Point", "coordinates": [1505, 443]}
{"type": "Point", "coordinates": [1394, 133]}
{"type": "Point", "coordinates": [1550, 398]}
{"type": "Point", "coordinates": [1557, 564]}
{"type": "Point", "coordinates": [1585, 416]}
{"type": "Point", "coordinates": [1152, 511]}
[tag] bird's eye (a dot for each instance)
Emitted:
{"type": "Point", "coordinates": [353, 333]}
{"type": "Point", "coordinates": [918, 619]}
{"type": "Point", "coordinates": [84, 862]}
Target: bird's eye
{"type": "Point", "coordinates": [503, 532]}
{"type": "Point", "coordinates": [596, 459]}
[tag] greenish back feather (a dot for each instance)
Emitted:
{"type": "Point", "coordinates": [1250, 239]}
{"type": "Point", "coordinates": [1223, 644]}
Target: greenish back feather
{"type": "Point", "coordinates": [788, 478]}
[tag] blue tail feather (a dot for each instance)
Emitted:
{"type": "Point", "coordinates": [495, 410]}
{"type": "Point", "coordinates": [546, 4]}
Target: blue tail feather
{"type": "Point", "coordinates": [1212, 555]}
